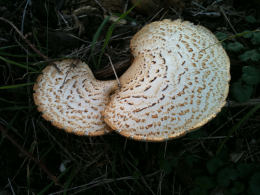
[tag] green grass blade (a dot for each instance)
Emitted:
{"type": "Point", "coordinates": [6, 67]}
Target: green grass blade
{"type": "Point", "coordinates": [72, 175]}
{"type": "Point", "coordinates": [10, 102]}
{"type": "Point", "coordinates": [95, 38]}
{"type": "Point", "coordinates": [17, 64]}
{"type": "Point", "coordinates": [8, 47]}
{"type": "Point", "coordinates": [15, 55]}
{"type": "Point", "coordinates": [231, 37]}
{"type": "Point", "coordinates": [16, 86]}
{"type": "Point", "coordinates": [14, 108]}
{"type": "Point", "coordinates": [239, 35]}
{"type": "Point", "coordinates": [110, 31]}
{"type": "Point", "coordinates": [237, 126]}
{"type": "Point", "coordinates": [46, 188]}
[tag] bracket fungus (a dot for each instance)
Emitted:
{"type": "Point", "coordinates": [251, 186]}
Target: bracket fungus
{"type": "Point", "coordinates": [72, 99]}
{"type": "Point", "coordinates": [179, 80]}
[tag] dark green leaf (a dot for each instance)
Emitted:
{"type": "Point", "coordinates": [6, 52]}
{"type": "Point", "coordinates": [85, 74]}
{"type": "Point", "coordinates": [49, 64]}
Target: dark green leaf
{"type": "Point", "coordinates": [256, 38]}
{"type": "Point", "coordinates": [237, 188]}
{"type": "Point", "coordinates": [253, 55]}
{"type": "Point", "coordinates": [190, 160]}
{"type": "Point", "coordinates": [247, 34]}
{"type": "Point", "coordinates": [254, 184]}
{"type": "Point", "coordinates": [226, 175]}
{"type": "Point", "coordinates": [235, 46]}
{"type": "Point", "coordinates": [241, 92]}
{"type": "Point", "coordinates": [221, 36]}
{"type": "Point", "coordinates": [213, 165]}
{"type": "Point", "coordinates": [251, 75]}
{"type": "Point", "coordinates": [204, 182]}
{"type": "Point", "coordinates": [198, 191]}
{"type": "Point", "coordinates": [250, 19]}
{"type": "Point", "coordinates": [224, 44]}
{"type": "Point", "coordinates": [244, 170]}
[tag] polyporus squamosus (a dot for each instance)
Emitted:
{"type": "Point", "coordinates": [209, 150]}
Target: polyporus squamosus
{"type": "Point", "coordinates": [179, 80]}
{"type": "Point", "coordinates": [72, 99]}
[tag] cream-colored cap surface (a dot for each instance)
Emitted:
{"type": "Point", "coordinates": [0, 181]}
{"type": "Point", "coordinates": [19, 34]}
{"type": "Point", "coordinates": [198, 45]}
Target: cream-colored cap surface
{"type": "Point", "coordinates": [178, 81]}
{"type": "Point", "coordinates": [73, 99]}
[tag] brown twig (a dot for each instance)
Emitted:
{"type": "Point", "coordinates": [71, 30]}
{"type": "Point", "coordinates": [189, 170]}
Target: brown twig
{"type": "Point", "coordinates": [24, 38]}
{"type": "Point", "coordinates": [30, 156]}
{"type": "Point", "coordinates": [27, 41]}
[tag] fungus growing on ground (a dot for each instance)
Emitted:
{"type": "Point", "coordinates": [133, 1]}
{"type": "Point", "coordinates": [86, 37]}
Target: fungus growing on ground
{"type": "Point", "coordinates": [179, 80]}
{"type": "Point", "coordinates": [72, 99]}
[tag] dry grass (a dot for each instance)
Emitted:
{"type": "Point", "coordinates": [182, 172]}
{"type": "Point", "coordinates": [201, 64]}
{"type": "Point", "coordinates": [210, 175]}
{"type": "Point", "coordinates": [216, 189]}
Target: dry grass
{"type": "Point", "coordinates": [36, 158]}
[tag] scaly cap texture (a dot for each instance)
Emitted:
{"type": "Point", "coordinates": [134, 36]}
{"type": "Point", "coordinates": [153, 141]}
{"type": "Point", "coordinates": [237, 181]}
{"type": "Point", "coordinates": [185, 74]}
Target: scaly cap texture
{"type": "Point", "coordinates": [73, 99]}
{"type": "Point", "coordinates": [178, 81]}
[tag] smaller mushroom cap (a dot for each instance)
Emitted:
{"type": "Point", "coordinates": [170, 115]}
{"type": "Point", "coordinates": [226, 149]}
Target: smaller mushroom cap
{"type": "Point", "coordinates": [73, 99]}
{"type": "Point", "coordinates": [178, 81]}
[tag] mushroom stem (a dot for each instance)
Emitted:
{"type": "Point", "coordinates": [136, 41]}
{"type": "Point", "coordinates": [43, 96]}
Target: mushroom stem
{"type": "Point", "coordinates": [112, 65]}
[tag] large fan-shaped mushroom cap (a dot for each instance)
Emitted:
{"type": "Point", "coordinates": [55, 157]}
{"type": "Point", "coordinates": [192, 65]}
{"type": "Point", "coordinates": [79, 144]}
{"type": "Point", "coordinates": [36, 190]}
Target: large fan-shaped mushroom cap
{"type": "Point", "coordinates": [178, 81]}
{"type": "Point", "coordinates": [73, 99]}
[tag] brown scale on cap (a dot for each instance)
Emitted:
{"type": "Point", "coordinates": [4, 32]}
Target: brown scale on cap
{"type": "Point", "coordinates": [178, 81]}
{"type": "Point", "coordinates": [73, 99]}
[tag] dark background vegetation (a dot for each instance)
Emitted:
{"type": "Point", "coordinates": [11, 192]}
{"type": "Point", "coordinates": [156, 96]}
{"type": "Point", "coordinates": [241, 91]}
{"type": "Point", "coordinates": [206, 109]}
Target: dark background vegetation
{"type": "Point", "coordinates": [223, 157]}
